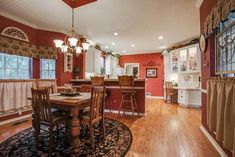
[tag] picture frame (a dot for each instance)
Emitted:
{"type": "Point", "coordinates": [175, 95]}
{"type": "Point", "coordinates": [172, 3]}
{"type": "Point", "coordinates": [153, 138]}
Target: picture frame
{"type": "Point", "coordinates": [151, 73]}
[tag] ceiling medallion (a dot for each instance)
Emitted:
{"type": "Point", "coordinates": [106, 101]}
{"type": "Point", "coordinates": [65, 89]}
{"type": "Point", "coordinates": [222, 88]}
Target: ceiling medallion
{"type": "Point", "coordinates": [77, 3]}
{"type": "Point", "coordinates": [72, 42]}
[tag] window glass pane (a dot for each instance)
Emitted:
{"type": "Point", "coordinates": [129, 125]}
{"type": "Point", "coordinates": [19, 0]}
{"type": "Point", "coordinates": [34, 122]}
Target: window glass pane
{"type": "Point", "coordinates": [44, 74]}
{"type": "Point", "coordinates": [11, 74]}
{"type": "Point", "coordinates": [1, 60]}
{"type": "Point", "coordinates": [51, 75]}
{"type": "Point", "coordinates": [11, 61]}
{"type": "Point", "coordinates": [23, 74]}
{"type": "Point", "coordinates": [44, 65]}
{"type": "Point", "coordinates": [1, 73]}
{"type": "Point", "coordinates": [23, 62]}
{"type": "Point", "coordinates": [51, 65]}
{"type": "Point", "coordinates": [47, 69]}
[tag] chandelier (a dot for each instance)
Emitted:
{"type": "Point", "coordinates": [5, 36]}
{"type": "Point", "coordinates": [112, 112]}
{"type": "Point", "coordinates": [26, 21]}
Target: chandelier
{"type": "Point", "coordinates": [72, 42]}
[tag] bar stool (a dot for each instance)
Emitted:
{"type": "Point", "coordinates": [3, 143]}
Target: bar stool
{"type": "Point", "coordinates": [99, 81]}
{"type": "Point", "coordinates": [128, 102]}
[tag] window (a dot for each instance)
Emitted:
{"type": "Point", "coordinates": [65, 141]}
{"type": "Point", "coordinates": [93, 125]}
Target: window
{"type": "Point", "coordinates": [225, 47]}
{"type": "Point", "coordinates": [47, 69]}
{"type": "Point", "coordinates": [15, 67]}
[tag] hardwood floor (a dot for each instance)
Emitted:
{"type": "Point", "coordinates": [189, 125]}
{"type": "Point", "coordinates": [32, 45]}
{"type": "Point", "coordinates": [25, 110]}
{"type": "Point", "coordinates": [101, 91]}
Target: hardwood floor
{"type": "Point", "coordinates": [166, 131]}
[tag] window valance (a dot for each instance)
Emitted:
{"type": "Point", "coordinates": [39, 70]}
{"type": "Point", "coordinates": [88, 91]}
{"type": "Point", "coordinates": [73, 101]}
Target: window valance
{"type": "Point", "coordinates": [21, 48]}
{"type": "Point", "coordinates": [219, 13]}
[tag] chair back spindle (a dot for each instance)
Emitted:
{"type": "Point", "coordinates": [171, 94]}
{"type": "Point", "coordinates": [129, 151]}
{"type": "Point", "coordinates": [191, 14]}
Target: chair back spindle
{"type": "Point", "coordinates": [97, 81]}
{"type": "Point", "coordinates": [41, 105]}
{"type": "Point", "coordinates": [97, 103]}
{"type": "Point", "coordinates": [126, 83]}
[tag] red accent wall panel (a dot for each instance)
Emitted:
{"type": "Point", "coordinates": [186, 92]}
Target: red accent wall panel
{"type": "Point", "coordinates": [208, 59]}
{"type": "Point", "coordinates": [154, 85]}
{"type": "Point", "coordinates": [45, 38]}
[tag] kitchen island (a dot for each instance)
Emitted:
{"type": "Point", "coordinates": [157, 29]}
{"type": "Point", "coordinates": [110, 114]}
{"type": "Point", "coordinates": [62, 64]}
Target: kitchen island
{"type": "Point", "coordinates": [114, 95]}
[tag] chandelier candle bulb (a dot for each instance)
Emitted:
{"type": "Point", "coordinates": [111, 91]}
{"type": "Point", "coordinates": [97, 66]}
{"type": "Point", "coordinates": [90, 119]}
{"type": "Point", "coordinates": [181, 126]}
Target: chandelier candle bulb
{"type": "Point", "coordinates": [58, 43]}
{"type": "Point", "coordinates": [78, 50]}
{"type": "Point", "coordinates": [73, 41]}
{"type": "Point", "coordinates": [85, 46]}
{"type": "Point", "coordinates": [64, 48]}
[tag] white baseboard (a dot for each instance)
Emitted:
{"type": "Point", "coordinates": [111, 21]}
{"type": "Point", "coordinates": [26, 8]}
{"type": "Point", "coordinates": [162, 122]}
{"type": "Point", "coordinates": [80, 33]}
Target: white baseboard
{"type": "Point", "coordinates": [15, 119]}
{"type": "Point", "coordinates": [213, 142]}
{"type": "Point", "coordinates": [121, 112]}
{"type": "Point", "coordinates": [155, 97]}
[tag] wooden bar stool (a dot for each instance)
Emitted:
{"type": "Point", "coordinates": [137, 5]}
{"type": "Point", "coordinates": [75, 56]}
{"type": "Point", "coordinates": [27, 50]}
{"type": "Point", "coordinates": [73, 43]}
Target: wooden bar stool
{"type": "Point", "coordinates": [128, 102]}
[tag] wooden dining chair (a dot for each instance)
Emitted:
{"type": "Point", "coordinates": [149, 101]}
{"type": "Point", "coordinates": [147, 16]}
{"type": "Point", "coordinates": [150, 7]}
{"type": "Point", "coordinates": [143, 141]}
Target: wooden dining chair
{"type": "Point", "coordinates": [43, 115]}
{"type": "Point", "coordinates": [50, 88]}
{"type": "Point", "coordinates": [96, 114]}
{"type": "Point", "coordinates": [99, 81]}
{"type": "Point", "coordinates": [85, 88]}
{"type": "Point", "coordinates": [128, 101]}
{"type": "Point", "coordinates": [171, 92]}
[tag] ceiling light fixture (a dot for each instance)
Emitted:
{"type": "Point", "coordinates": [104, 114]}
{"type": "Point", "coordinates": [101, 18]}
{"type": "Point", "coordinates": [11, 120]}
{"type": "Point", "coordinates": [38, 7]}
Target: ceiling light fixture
{"type": "Point", "coordinates": [160, 37]}
{"type": "Point", "coordinates": [106, 47]}
{"type": "Point", "coordinates": [132, 45]}
{"type": "Point", "coordinates": [72, 42]}
{"type": "Point", "coordinates": [116, 34]}
{"type": "Point", "coordinates": [123, 51]}
{"type": "Point", "coordinates": [113, 44]}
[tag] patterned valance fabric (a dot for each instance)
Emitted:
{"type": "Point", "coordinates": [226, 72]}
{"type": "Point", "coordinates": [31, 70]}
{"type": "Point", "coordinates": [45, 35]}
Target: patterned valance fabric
{"type": "Point", "coordinates": [219, 13]}
{"type": "Point", "coordinates": [17, 47]}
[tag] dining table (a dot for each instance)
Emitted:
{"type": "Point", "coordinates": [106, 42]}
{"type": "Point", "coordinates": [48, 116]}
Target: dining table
{"type": "Point", "coordinates": [72, 104]}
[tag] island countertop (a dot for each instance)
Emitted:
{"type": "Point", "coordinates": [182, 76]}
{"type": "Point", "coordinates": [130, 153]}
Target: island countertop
{"type": "Point", "coordinates": [114, 96]}
{"type": "Point", "coordinates": [106, 80]}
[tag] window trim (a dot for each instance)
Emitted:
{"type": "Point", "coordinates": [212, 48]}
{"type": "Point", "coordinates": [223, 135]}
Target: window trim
{"type": "Point", "coordinates": [48, 70]}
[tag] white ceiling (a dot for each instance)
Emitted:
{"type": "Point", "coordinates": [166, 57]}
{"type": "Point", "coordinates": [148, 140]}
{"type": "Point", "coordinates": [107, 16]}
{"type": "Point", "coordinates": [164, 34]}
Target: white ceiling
{"type": "Point", "coordinates": [138, 22]}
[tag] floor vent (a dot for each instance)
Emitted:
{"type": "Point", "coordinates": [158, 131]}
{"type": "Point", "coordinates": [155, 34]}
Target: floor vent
{"type": "Point", "coordinates": [148, 93]}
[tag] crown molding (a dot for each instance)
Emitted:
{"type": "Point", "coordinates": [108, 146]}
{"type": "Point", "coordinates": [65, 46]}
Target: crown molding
{"type": "Point", "coordinates": [198, 3]}
{"type": "Point", "coordinates": [27, 23]}
{"type": "Point", "coordinates": [12, 17]}
{"type": "Point", "coordinates": [139, 53]}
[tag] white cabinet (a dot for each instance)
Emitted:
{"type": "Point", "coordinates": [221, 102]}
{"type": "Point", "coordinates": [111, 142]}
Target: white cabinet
{"type": "Point", "coordinates": [189, 97]}
{"type": "Point", "coordinates": [111, 66]}
{"type": "Point", "coordinates": [93, 61]}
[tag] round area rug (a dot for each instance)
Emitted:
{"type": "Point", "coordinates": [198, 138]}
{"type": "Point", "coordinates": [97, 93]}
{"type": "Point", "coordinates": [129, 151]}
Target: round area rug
{"type": "Point", "coordinates": [117, 142]}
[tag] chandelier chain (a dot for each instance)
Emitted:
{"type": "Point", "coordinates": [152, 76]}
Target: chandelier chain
{"type": "Point", "coordinates": [72, 18]}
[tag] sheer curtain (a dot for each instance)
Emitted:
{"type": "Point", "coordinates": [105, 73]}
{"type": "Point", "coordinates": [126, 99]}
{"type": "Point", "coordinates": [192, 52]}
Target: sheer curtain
{"type": "Point", "coordinates": [221, 110]}
{"type": "Point", "coordinates": [14, 93]}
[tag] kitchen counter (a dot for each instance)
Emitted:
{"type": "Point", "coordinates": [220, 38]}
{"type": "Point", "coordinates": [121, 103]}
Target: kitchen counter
{"type": "Point", "coordinates": [114, 95]}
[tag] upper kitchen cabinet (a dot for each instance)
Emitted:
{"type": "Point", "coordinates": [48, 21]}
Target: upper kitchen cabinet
{"type": "Point", "coordinates": [93, 62]}
{"type": "Point", "coordinates": [186, 59]}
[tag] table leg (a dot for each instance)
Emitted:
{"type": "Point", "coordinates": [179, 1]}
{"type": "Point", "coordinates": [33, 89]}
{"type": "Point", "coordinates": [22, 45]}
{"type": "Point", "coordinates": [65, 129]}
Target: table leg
{"type": "Point", "coordinates": [75, 130]}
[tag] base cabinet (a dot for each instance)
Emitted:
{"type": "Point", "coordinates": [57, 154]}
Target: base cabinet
{"type": "Point", "coordinates": [189, 97]}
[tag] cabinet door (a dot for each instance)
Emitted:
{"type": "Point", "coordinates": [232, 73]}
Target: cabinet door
{"type": "Point", "coordinates": [174, 61]}
{"type": "Point", "coordinates": [193, 59]}
{"type": "Point", "coordinates": [183, 56]}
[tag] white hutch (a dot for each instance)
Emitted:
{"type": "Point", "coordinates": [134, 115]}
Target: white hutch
{"type": "Point", "coordinates": [183, 66]}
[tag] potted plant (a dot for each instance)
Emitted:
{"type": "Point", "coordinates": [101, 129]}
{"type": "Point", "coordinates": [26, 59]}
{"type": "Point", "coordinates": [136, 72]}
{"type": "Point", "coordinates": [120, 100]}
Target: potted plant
{"type": "Point", "coordinates": [76, 72]}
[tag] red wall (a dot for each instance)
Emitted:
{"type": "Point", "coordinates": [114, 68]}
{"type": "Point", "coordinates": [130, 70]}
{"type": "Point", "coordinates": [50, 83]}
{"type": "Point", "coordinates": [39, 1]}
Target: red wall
{"type": "Point", "coordinates": [45, 38]}
{"type": "Point", "coordinates": [208, 59]}
{"type": "Point", "coordinates": [154, 85]}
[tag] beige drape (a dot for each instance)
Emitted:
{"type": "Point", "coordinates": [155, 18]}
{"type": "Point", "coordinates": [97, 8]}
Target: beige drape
{"type": "Point", "coordinates": [212, 106]}
{"type": "Point", "coordinates": [221, 95]}
{"type": "Point", "coordinates": [14, 93]}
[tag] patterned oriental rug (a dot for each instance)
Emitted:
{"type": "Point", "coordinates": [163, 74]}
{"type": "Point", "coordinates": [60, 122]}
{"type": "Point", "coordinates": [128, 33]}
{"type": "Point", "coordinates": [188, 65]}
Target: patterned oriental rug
{"type": "Point", "coordinates": [117, 142]}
